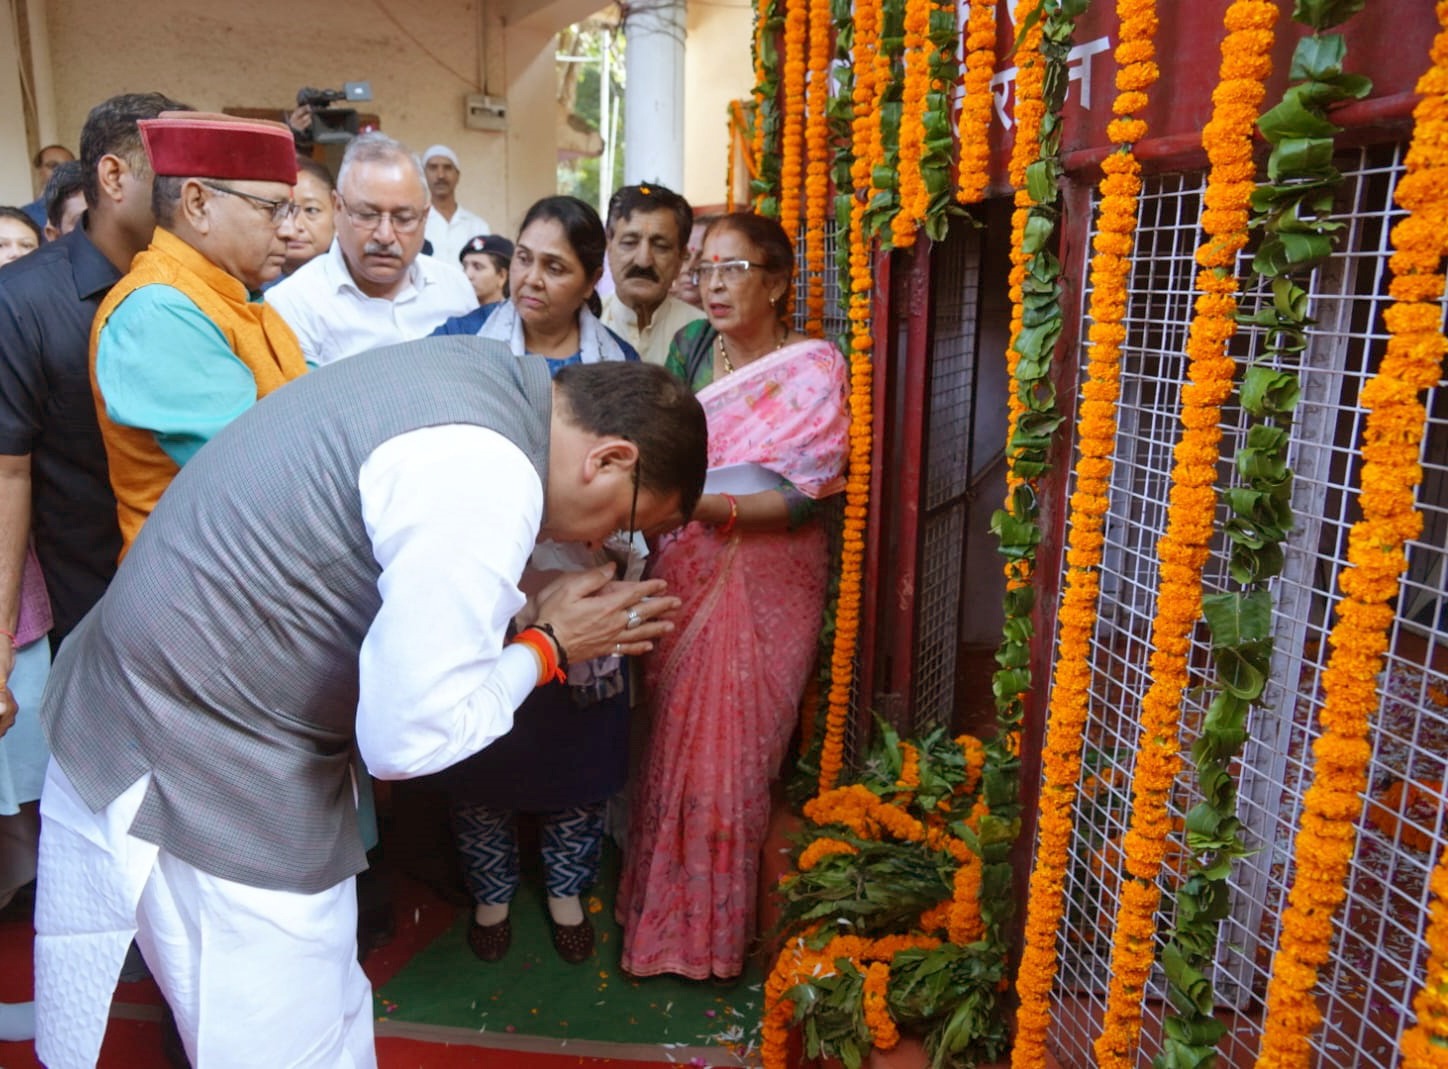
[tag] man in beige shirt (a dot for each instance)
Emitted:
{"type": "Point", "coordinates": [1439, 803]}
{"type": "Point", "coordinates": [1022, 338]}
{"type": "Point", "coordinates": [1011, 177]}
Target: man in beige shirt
{"type": "Point", "coordinates": [648, 228]}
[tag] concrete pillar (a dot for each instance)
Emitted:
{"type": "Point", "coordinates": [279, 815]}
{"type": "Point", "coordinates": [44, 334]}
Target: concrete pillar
{"type": "Point", "coordinates": [48, 130]}
{"type": "Point", "coordinates": [720, 70]}
{"type": "Point", "coordinates": [654, 94]}
{"type": "Point", "coordinates": [532, 153]}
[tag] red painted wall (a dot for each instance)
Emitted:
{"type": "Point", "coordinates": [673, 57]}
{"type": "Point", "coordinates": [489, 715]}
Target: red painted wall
{"type": "Point", "coordinates": [1388, 42]}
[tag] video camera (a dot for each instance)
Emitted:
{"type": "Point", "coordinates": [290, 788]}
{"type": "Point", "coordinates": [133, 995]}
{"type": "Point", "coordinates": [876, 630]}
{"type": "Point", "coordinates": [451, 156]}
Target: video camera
{"type": "Point", "coordinates": [330, 124]}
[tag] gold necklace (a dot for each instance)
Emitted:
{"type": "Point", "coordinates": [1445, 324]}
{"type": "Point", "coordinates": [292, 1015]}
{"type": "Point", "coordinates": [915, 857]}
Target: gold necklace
{"type": "Point", "coordinates": [723, 354]}
{"type": "Point", "coordinates": [724, 351]}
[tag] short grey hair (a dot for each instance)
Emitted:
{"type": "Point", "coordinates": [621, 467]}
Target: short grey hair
{"type": "Point", "coordinates": [377, 147]}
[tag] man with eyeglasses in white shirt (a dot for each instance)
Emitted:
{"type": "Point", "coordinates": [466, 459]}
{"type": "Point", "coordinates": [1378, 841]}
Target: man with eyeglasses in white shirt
{"type": "Point", "coordinates": [372, 288]}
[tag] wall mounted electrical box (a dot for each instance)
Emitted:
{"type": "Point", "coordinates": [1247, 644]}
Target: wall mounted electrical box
{"type": "Point", "coordinates": [483, 112]}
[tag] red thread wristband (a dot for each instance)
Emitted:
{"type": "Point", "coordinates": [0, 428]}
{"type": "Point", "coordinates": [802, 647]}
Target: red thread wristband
{"type": "Point", "coordinates": [546, 652]}
{"type": "Point", "coordinates": [727, 527]}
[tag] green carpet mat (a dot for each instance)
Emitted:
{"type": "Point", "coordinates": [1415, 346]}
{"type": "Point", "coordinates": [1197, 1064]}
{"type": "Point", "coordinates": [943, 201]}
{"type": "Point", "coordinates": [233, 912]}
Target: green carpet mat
{"type": "Point", "coordinates": [534, 992]}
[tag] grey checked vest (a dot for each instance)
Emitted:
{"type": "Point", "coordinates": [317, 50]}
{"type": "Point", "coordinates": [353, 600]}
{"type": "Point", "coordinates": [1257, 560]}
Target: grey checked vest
{"type": "Point", "coordinates": [223, 658]}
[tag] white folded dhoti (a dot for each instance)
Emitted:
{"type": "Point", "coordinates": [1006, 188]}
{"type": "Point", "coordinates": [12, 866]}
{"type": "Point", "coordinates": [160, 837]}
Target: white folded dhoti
{"type": "Point", "coordinates": [254, 977]}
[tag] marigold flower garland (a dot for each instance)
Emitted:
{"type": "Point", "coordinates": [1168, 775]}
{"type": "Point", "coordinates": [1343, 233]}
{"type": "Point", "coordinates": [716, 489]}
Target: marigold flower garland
{"type": "Point", "coordinates": [909, 767]}
{"type": "Point", "coordinates": [1392, 438]}
{"type": "Point", "coordinates": [797, 963]}
{"type": "Point", "coordinates": [973, 169]}
{"type": "Point", "coordinates": [817, 166]}
{"type": "Point", "coordinates": [1425, 1045]}
{"type": "Point", "coordinates": [974, 762]}
{"type": "Point", "coordinates": [914, 199]}
{"type": "Point", "coordinates": [1183, 550]}
{"type": "Point", "coordinates": [1403, 801]}
{"type": "Point", "coordinates": [872, 814]}
{"type": "Point", "coordinates": [868, 155]}
{"type": "Point", "coordinates": [884, 1033]}
{"type": "Point", "coordinates": [823, 848]}
{"type": "Point", "coordinates": [796, 26]}
{"type": "Point", "coordinates": [1114, 243]}
{"type": "Point", "coordinates": [1029, 110]}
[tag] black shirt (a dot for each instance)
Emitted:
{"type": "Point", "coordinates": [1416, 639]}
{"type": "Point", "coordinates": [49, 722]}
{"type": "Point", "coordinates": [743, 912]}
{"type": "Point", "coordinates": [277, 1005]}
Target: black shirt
{"type": "Point", "coordinates": [47, 302]}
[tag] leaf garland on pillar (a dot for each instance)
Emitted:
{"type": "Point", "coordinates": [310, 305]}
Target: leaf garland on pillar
{"type": "Point", "coordinates": [1114, 243]}
{"type": "Point", "coordinates": [1036, 318]}
{"type": "Point", "coordinates": [1292, 209]}
{"type": "Point", "coordinates": [764, 186]}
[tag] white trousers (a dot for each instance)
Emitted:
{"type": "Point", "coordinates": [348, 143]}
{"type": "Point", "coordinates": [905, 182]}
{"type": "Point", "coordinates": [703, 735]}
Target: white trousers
{"type": "Point", "coordinates": [254, 977]}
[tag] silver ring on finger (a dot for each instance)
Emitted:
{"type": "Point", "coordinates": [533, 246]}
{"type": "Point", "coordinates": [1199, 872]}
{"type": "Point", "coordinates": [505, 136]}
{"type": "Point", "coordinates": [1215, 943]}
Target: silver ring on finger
{"type": "Point", "coordinates": [634, 619]}
{"type": "Point", "coordinates": [617, 649]}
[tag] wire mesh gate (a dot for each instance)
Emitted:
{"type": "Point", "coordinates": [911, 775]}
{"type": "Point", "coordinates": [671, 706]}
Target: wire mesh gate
{"type": "Point", "coordinates": [1378, 960]}
{"type": "Point", "coordinates": [955, 279]}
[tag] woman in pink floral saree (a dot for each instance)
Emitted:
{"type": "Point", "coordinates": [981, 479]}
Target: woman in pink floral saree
{"type": "Point", "coordinates": [724, 688]}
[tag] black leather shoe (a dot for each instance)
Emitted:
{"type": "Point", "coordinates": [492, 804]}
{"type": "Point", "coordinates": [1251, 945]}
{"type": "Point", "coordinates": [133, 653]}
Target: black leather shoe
{"type": "Point", "coordinates": [490, 942]}
{"type": "Point", "coordinates": [574, 942]}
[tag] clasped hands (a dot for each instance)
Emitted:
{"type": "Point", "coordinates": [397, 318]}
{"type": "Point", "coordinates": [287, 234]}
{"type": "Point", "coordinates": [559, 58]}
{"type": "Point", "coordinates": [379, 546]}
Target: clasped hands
{"type": "Point", "coordinates": [595, 615]}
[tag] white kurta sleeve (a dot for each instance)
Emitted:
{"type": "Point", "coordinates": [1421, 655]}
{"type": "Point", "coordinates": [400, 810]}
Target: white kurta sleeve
{"type": "Point", "coordinates": [452, 512]}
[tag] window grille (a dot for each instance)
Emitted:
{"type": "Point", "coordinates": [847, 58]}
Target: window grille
{"type": "Point", "coordinates": [1378, 959]}
{"type": "Point", "coordinates": [836, 322]}
{"type": "Point", "coordinates": [835, 329]}
{"type": "Point", "coordinates": [955, 280]}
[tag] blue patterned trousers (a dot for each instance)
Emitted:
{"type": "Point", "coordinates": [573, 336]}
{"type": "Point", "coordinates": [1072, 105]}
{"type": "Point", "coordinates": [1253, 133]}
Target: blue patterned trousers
{"type": "Point", "coordinates": [572, 845]}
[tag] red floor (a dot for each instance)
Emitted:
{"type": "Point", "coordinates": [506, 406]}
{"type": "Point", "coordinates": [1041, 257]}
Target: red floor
{"type": "Point", "coordinates": [133, 1039]}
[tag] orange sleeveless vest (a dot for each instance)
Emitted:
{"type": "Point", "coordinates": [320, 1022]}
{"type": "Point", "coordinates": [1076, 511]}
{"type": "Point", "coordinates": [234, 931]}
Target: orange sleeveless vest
{"type": "Point", "coordinates": [140, 469]}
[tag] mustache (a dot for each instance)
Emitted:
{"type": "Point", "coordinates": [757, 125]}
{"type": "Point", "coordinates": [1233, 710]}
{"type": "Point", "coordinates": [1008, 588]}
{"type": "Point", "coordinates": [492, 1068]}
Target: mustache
{"type": "Point", "coordinates": [642, 272]}
{"type": "Point", "coordinates": [380, 248]}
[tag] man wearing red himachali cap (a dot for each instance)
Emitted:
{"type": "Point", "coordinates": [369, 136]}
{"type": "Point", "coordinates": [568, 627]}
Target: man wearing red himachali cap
{"type": "Point", "coordinates": [181, 346]}
{"type": "Point", "coordinates": [184, 343]}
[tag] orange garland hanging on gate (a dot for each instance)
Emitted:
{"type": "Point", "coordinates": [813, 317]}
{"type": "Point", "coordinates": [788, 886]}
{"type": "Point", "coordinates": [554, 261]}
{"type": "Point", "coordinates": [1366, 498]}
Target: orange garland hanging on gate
{"type": "Point", "coordinates": [914, 198]}
{"type": "Point", "coordinates": [973, 169]}
{"type": "Point", "coordinates": [796, 25]}
{"type": "Point", "coordinates": [1029, 109]}
{"type": "Point", "coordinates": [869, 153]}
{"type": "Point", "coordinates": [1392, 439]}
{"type": "Point", "coordinates": [1096, 437]}
{"type": "Point", "coordinates": [1425, 1045]}
{"type": "Point", "coordinates": [817, 166]}
{"type": "Point", "coordinates": [1183, 550]}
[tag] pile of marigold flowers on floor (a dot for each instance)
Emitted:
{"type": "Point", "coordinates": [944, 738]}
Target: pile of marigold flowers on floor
{"type": "Point", "coordinates": [881, 926]}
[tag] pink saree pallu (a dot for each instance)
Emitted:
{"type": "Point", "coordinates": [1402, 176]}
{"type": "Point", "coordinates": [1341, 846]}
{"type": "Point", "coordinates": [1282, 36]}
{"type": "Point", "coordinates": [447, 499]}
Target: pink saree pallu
{"type": "Point", "coordinates": [724, 688]}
